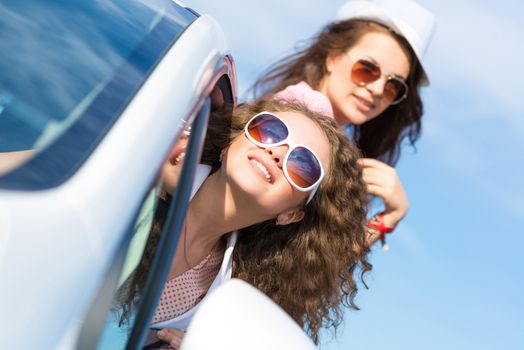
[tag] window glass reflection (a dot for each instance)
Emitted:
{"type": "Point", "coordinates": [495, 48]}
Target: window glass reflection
{"type": "Point", "coordinates": [57, 57]}
{"type": "Point", "coordinates": [142, 248]}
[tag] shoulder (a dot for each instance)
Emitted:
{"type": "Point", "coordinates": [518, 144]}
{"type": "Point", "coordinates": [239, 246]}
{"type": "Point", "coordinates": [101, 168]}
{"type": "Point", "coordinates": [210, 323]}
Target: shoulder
{"type": "Point", "coordinates": [304, 94]}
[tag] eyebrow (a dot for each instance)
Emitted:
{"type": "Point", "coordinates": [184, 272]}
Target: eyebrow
{"type": "Point", "coordinates": [392, 74]}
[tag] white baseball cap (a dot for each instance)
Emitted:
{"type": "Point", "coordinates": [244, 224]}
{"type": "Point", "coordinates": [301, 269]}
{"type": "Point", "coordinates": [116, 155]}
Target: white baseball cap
{"type": "Point", "coordinates": [404, 17]}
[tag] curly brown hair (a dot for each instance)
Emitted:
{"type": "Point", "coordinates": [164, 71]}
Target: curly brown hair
{"type": "Point", "coordinates": [380, 137]}
{"type": "Point", "coordinates": [310, 268]}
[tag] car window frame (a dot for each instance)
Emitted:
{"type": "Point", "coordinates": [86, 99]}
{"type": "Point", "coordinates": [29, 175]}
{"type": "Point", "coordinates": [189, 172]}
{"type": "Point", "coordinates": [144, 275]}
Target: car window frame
{"type": "Point", "coordinates": [225, 80]}
{"type": "Point", "coordinates": [90, 332]}
{"type": "Point", "coordinates": [170, 233]}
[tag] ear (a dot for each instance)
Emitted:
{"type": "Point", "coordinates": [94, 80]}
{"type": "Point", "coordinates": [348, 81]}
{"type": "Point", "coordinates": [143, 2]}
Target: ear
{"type": "Point", "coordinates": [222, 154]}
{"type": "Point", "coordinates": [331, 60]}
{"type": "Point", "coordinates": [290, 216]}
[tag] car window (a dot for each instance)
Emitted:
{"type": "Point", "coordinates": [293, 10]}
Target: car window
{"type": "Point", "coordinates": [119, 318]}
{"type": "Point", "coordinates": [141, 250]}
{"type": "Point", "coordinates": [68, 70]}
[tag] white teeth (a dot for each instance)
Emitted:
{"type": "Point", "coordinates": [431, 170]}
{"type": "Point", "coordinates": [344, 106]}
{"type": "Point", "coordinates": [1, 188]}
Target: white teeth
{"type": "Point", "coordinates": [366, 103]}
{"type": "Point", "coordinates": [263, 168]}
{"type": "Point", "coordinates": [180, 157]}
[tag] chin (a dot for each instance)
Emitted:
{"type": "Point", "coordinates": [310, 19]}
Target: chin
{"type": "Point", "coordinates": [246, 184]}
{"type": "Point", "coordinates": [353, 118]}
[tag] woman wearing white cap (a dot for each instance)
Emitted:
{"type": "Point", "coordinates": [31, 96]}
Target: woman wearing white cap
{"type": "Point", "coordinates": [365, 70]}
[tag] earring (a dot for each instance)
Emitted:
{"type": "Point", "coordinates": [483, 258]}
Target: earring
{"type": "Point", "coordinates": [221, 156]}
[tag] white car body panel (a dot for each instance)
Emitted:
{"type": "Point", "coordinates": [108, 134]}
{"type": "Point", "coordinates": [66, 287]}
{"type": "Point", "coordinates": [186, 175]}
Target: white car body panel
{"type": "Point", "coordinates": [237, 316]}
{"type": "Point", "coordinates": [56, 245]}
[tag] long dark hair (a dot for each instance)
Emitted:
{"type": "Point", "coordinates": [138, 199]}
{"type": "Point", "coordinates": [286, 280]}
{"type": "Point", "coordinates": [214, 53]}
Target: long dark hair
{"type": "Point", "coordinates": [379, 138]}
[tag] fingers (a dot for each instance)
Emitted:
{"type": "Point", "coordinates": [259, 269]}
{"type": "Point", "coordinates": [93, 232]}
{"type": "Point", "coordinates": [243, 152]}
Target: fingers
{"type": "Point", "coordinates": [377, 191]}
{"type": "Point", "coordinates": [372, 236]}
{"type": "Point", "coordinates": [375, 177]}
{"type": "Point", "coordinates": [373, 163]}
{"type": "Point", "coordinates": [382, 181]}
{"type": "Point", "coordinates": [392, 194]}
{"type": "Point", "coordinates": [381, 177]}
{"type": "Point", "coordinates": [171, 336]}
{"type": "Point", "coordinates": [394, 197]}
{"type": "Point", "coordinates": [374, 169]}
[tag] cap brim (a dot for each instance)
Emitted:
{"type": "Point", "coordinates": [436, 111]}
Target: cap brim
{"type": "Point", "coordinates": [373, 12]}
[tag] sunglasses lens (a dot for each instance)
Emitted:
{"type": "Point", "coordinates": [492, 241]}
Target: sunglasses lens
{"type": "Point", "coordinates": [364, 72]}
{"type": "Point", "coordinates": [267, 129]}
{"type": "Point", "coordinates": [303, 167]}
{"type": "Point", "coordinates": [394, 90]}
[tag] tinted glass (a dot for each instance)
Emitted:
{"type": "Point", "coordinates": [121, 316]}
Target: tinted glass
{"type": "Point", "coordinates": [267, 129]}
{"type": "Point", "coordinates": [142, 248]}
{"type": "Point", "coordinates": [73, 67]}
{"type": "Point", "coordinates": [303, 167]}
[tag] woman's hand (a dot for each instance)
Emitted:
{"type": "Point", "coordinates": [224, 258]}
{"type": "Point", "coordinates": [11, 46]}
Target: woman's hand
{"type": "Point", "coordinates": [171, 336]}
{"type": "Point", "coordinates": [382, 180]}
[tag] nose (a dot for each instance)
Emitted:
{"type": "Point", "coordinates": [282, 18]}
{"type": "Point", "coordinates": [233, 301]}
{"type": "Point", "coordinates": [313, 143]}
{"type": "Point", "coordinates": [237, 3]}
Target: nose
{"type": "Point", "coordinates": [277, 153]}
{"type": "Point", "coordinates": [377, 87]}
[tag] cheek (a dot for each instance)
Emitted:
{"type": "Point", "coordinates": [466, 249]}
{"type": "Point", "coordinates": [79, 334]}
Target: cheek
{"type": "Point", "coordinates": [339, 91]}
{"type": "Point", "coordinates": [381, 108]}
{"type": "Point", "coordinates": [283, 197]}
{"type": "Point", "coordinates": [342, 101]}
{"type": "Point", "coordinates": [343, 87]}
{"type": "Point", "coordinates": [340, 81]}
{"type": "Point", "coordinates": [234, 169]}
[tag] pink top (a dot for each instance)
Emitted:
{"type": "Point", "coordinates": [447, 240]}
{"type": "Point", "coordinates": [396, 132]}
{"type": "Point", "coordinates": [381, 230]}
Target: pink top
{"type": "Point", "coordinates": [303, 93]}
{"type": "Point", "coordinates": [183, 292]}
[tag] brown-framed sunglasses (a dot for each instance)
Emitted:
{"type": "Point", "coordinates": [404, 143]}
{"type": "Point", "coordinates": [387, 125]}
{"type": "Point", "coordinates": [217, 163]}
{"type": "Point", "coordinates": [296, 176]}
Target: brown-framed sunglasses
{"type": "Point", "coordinates": [364, 72]}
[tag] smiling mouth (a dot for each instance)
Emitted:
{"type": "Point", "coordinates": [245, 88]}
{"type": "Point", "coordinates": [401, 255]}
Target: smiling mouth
{"type": "Point", "coordinates": [263, 169]}
{"type": "Point", "coordinates": [178, 158]}
{"type": "Point", "coordinates": [178, 152]}
{"type": "Point", "coordinates": [366, 104]}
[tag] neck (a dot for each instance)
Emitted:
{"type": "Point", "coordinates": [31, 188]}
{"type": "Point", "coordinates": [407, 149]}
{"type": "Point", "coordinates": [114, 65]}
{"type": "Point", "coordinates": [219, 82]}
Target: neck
{"type": "Point", "coordinates": [214, 212]}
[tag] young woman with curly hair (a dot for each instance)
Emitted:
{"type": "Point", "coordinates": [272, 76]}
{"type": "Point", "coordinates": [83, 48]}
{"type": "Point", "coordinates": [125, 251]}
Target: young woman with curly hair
{"type": "Point", "coordinates": [284, 208]}
{"type": "Point", "coordinates": [365, 70]}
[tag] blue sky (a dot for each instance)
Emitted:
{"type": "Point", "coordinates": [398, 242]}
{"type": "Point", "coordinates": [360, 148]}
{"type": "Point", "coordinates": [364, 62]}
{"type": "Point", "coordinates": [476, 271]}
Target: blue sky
{"type": "Point", "coordinates": [453, 278]}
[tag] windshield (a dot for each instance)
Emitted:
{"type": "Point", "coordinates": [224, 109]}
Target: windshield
{"type": "Point", "coordinates": [59, 57]}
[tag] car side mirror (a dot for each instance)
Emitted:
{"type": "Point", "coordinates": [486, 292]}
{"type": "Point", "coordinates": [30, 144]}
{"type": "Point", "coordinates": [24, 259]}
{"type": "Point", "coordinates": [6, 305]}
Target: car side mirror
{"type": "Point", "coordinates": [237, 316]}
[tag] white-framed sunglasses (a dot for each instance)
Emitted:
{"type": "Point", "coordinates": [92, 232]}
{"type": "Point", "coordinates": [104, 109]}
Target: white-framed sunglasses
{"type": "Point", "coordinates": [302, 167]}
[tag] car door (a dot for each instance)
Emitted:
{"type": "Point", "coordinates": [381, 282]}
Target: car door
{"type": "Point", "coordinates": [96, 94]}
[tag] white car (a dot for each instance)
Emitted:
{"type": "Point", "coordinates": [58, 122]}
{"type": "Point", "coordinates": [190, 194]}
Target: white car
{"type": "Point", "coordinates": [93, 96]}
{"type": "Point", "coordinates": [99, 91]}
